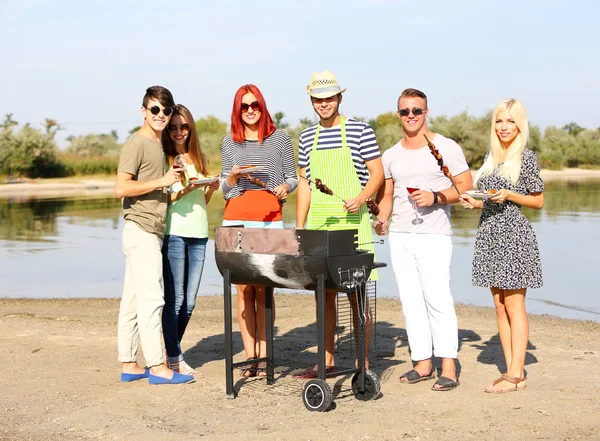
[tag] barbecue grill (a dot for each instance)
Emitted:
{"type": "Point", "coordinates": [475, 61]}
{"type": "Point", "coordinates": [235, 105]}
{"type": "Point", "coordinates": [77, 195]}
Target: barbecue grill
{"type": "Point", "coordinates": [298, 259]}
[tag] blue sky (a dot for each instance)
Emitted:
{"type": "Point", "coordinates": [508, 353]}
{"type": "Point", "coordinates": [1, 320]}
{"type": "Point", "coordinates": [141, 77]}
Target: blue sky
{"type": "Point", "coordinates": [87, 63]}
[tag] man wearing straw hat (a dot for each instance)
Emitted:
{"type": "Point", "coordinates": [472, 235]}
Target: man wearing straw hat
{"type": "Point", "coordinates": [343, 153]}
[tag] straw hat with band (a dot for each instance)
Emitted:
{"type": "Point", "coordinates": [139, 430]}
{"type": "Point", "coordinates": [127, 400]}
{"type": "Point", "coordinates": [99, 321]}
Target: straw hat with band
{"type": "Point", "coordinates": [323, 85]}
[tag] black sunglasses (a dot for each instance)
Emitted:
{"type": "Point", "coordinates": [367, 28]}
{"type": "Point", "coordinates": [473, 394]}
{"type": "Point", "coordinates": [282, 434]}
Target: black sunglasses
{"type": "Point", "coordinates": [155, 110]}
{"type": "Point", "coordinates": [254, 105]}
{"type": "Point", "coordinates": [417, 111]}
{"type": "Point", "coordinates": [183, 127]}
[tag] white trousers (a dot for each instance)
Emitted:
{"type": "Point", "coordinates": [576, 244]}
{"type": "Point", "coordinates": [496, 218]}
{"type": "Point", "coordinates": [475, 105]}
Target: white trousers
{"type": "Point", "coordinates": [143, 299]}
{"type": "Point", "coordinates": [421, 264]}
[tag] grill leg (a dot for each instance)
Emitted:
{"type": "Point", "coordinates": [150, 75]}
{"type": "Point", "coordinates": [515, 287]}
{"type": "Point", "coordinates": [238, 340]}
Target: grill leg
{"type": "Point", "coordinates": [269, 326]}
{"type": "Point", "coordinates": [228, 334]}
{"type": "Point", "coordinates": [321, 293]}
{"type": "Point", "coordinates": [361, 349]}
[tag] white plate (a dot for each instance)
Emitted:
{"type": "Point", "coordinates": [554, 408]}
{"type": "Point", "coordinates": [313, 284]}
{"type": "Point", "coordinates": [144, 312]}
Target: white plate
{"type": "Point", "coordinates": [480, 194]}
{"type": "Point", "coordinates": [203, 181]}
{"type": "Point", "coordinates": [251, 169]}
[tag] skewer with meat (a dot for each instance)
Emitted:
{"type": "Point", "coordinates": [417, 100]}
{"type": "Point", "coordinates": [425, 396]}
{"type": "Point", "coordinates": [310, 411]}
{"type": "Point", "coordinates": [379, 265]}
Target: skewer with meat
{"type": "Point", "coordinates": [323, 188]}
{"type": "Point", "coordinates": [438, 156]}
{"type": "Point", "coordinates": [371, 204]}
{"type": "Point", "coordinates": [256, 181]}
{"type": "Point", "coordinates": [373, 207]}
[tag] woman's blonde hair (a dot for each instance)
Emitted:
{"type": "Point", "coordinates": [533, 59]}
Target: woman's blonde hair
{"type": "Point", "coordinates": [511, 167]}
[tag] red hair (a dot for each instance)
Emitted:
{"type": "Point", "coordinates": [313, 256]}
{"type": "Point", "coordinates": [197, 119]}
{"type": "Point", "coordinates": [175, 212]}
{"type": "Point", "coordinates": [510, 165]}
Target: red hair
{"type": "Point", "coordinates": [265, 125]}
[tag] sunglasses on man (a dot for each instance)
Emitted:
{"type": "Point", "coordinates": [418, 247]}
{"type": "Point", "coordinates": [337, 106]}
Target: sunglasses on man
{"type": "Point", "coordinates": [155, 110]}
{"type": "Point", "coordinates": [417, 111]}
{"type": "Point", "coordinates": [254, 105]}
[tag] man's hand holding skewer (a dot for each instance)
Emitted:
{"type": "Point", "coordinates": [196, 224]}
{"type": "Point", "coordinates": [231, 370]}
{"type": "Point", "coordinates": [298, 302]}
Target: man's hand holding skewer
{"type": "Point", "coordinates": [352, 205]}
{"type": "Point", "coordinates": [380, 227]}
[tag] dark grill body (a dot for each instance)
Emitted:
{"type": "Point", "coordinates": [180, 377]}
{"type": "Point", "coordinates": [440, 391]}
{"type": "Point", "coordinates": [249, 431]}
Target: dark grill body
{"type": "Point", "coordinates": [292, 258]}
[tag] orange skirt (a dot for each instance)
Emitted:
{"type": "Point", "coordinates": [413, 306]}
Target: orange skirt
{"type": "Point", "coordinates": [254, 205]}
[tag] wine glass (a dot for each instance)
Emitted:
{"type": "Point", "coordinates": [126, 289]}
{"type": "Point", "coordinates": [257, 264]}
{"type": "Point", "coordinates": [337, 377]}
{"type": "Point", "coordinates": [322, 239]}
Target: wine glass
{"type": "Point", "coordinates": [411, 189]}
{"type": "Point", "coordinates": [179, 163]}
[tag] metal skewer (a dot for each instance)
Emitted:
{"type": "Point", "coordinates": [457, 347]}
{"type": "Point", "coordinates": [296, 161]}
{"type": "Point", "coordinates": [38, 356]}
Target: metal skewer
{"type": "Point", "coordinates": [441, 162]}
{"type": "Point", "coordinates": [331, 193]}
{"type": "Point", "coordinates": [310, 181]}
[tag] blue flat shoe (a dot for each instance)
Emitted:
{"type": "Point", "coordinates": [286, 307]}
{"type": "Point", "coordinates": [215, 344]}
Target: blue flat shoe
{"type": "Point", "coordinates": [177, 379]}
{"type": "Point", "coordinates": [127, 378]}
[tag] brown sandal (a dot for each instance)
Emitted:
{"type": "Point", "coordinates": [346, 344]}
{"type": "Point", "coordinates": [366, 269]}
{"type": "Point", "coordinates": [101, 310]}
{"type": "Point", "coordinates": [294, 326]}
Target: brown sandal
{"type": "Point", "coordinates": [513, 380]}
{"type": "Point", "coordinates": [261, 369]}
{"type": "Point", "coordinates": [249, 370]}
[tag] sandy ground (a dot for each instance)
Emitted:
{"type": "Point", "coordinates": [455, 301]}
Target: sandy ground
{"type": "Point", "coordinates": [84, 186]}
{"type": "Point", "coordinates": [61, 381]}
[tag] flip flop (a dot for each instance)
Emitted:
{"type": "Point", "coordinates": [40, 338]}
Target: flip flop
{"type": "Point", "coordinates": [414, 377]}
{"type": "Point", "coordinates": [445, 384]}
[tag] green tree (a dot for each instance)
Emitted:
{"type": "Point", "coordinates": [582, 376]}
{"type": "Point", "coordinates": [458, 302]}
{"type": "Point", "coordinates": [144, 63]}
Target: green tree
{"type": "Point", "coordinates": [471, 133]}
{"type": "Point", "coordinates": [278, 120]}
{"type": "Point", "coordinates": [388, 135]}
{"type": "Point", "coordinates": [306, 122]}
{"type": "Point", "coordinates": [211, 125]}
{"type": "Point", "coordinates": [589, 145]}
{"type": "Point", "coordinates": [94, 145]}
{"type": "Point", "coordinates": [385, 119]}
{"type": "Point", "coordinates": [135, 129]}
{"type": "Point", "coordinates": [8, 122]}
{"type": "Point", "coordinates": [51, 126]}
{"type": "Point", "coordinates": [211, 131]}
{"type": "Point", "coordinates": [28, 152]}
{"type": "Point", "coordinates": [535, 138]}
{"type": "Point", "coordinates": [573, 129]}
{"type": "Point", "coordinates": [553, 147]}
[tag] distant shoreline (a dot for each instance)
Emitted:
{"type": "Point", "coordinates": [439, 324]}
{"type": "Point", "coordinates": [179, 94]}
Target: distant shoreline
{"type": "Point", "coordinates": [47, 188]}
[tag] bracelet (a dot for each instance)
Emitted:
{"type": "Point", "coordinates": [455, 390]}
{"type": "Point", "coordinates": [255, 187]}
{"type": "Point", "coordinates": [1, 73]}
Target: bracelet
{"type": "Point", "coordinates": [435, 198]}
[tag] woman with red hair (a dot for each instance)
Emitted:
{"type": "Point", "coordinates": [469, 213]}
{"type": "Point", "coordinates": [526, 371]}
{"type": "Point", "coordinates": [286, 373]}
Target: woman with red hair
{"type": "Point", "coordinates": [258, 172]}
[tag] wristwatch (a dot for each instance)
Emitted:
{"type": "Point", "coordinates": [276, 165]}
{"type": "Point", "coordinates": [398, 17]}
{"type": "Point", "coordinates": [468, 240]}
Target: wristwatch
{"type": "Point", "coordinates": [435, 198]}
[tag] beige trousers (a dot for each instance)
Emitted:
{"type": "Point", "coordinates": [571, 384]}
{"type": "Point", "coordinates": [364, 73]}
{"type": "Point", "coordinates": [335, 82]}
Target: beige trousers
{"type": "Point", "coordinates": [143, 300]}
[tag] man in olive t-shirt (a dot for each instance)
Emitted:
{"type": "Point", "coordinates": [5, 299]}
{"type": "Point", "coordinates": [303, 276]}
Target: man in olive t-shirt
{"type": "Point", "coordinates": [141, 182]}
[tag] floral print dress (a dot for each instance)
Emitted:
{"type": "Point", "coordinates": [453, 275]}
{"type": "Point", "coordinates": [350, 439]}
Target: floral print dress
{"type": "Point", "coordinates": [506, 254]}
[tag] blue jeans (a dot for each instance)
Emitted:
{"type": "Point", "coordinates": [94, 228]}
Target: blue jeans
{"type": "Point", "coordinates": [183, 262]}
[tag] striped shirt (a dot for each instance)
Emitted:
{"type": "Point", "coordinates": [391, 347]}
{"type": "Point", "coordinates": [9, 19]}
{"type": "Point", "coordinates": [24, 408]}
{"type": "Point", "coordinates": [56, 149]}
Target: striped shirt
{"type": "Point", "coordinates": [276, 154]}
{"type": "Point", "coordinates": [359, 137]}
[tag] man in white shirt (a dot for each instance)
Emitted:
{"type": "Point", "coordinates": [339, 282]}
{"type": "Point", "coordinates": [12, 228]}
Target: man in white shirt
{"type": "Point", "coordinates": [419, 236]}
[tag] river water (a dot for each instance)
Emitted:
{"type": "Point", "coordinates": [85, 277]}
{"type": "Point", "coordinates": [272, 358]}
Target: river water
{"type": "Point", "coordinates": [71, 247]}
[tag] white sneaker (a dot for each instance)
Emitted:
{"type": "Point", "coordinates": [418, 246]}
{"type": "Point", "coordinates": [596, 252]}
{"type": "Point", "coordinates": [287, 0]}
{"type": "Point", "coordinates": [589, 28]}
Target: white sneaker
{"type": "Point", "coordinates": [186, 369]}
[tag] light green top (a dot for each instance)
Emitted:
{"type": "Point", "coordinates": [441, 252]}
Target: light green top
{"type": "Point", "coordinates": [187, 217]}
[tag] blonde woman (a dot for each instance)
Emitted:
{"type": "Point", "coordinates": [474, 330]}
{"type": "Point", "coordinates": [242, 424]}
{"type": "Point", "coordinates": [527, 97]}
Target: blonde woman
{"type": "Point", "coordinates": [506, 257]}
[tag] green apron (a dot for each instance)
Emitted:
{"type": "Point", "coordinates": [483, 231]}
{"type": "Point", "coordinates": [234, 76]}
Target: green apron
{"type": "Point", "coordinates": [336, 169]}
